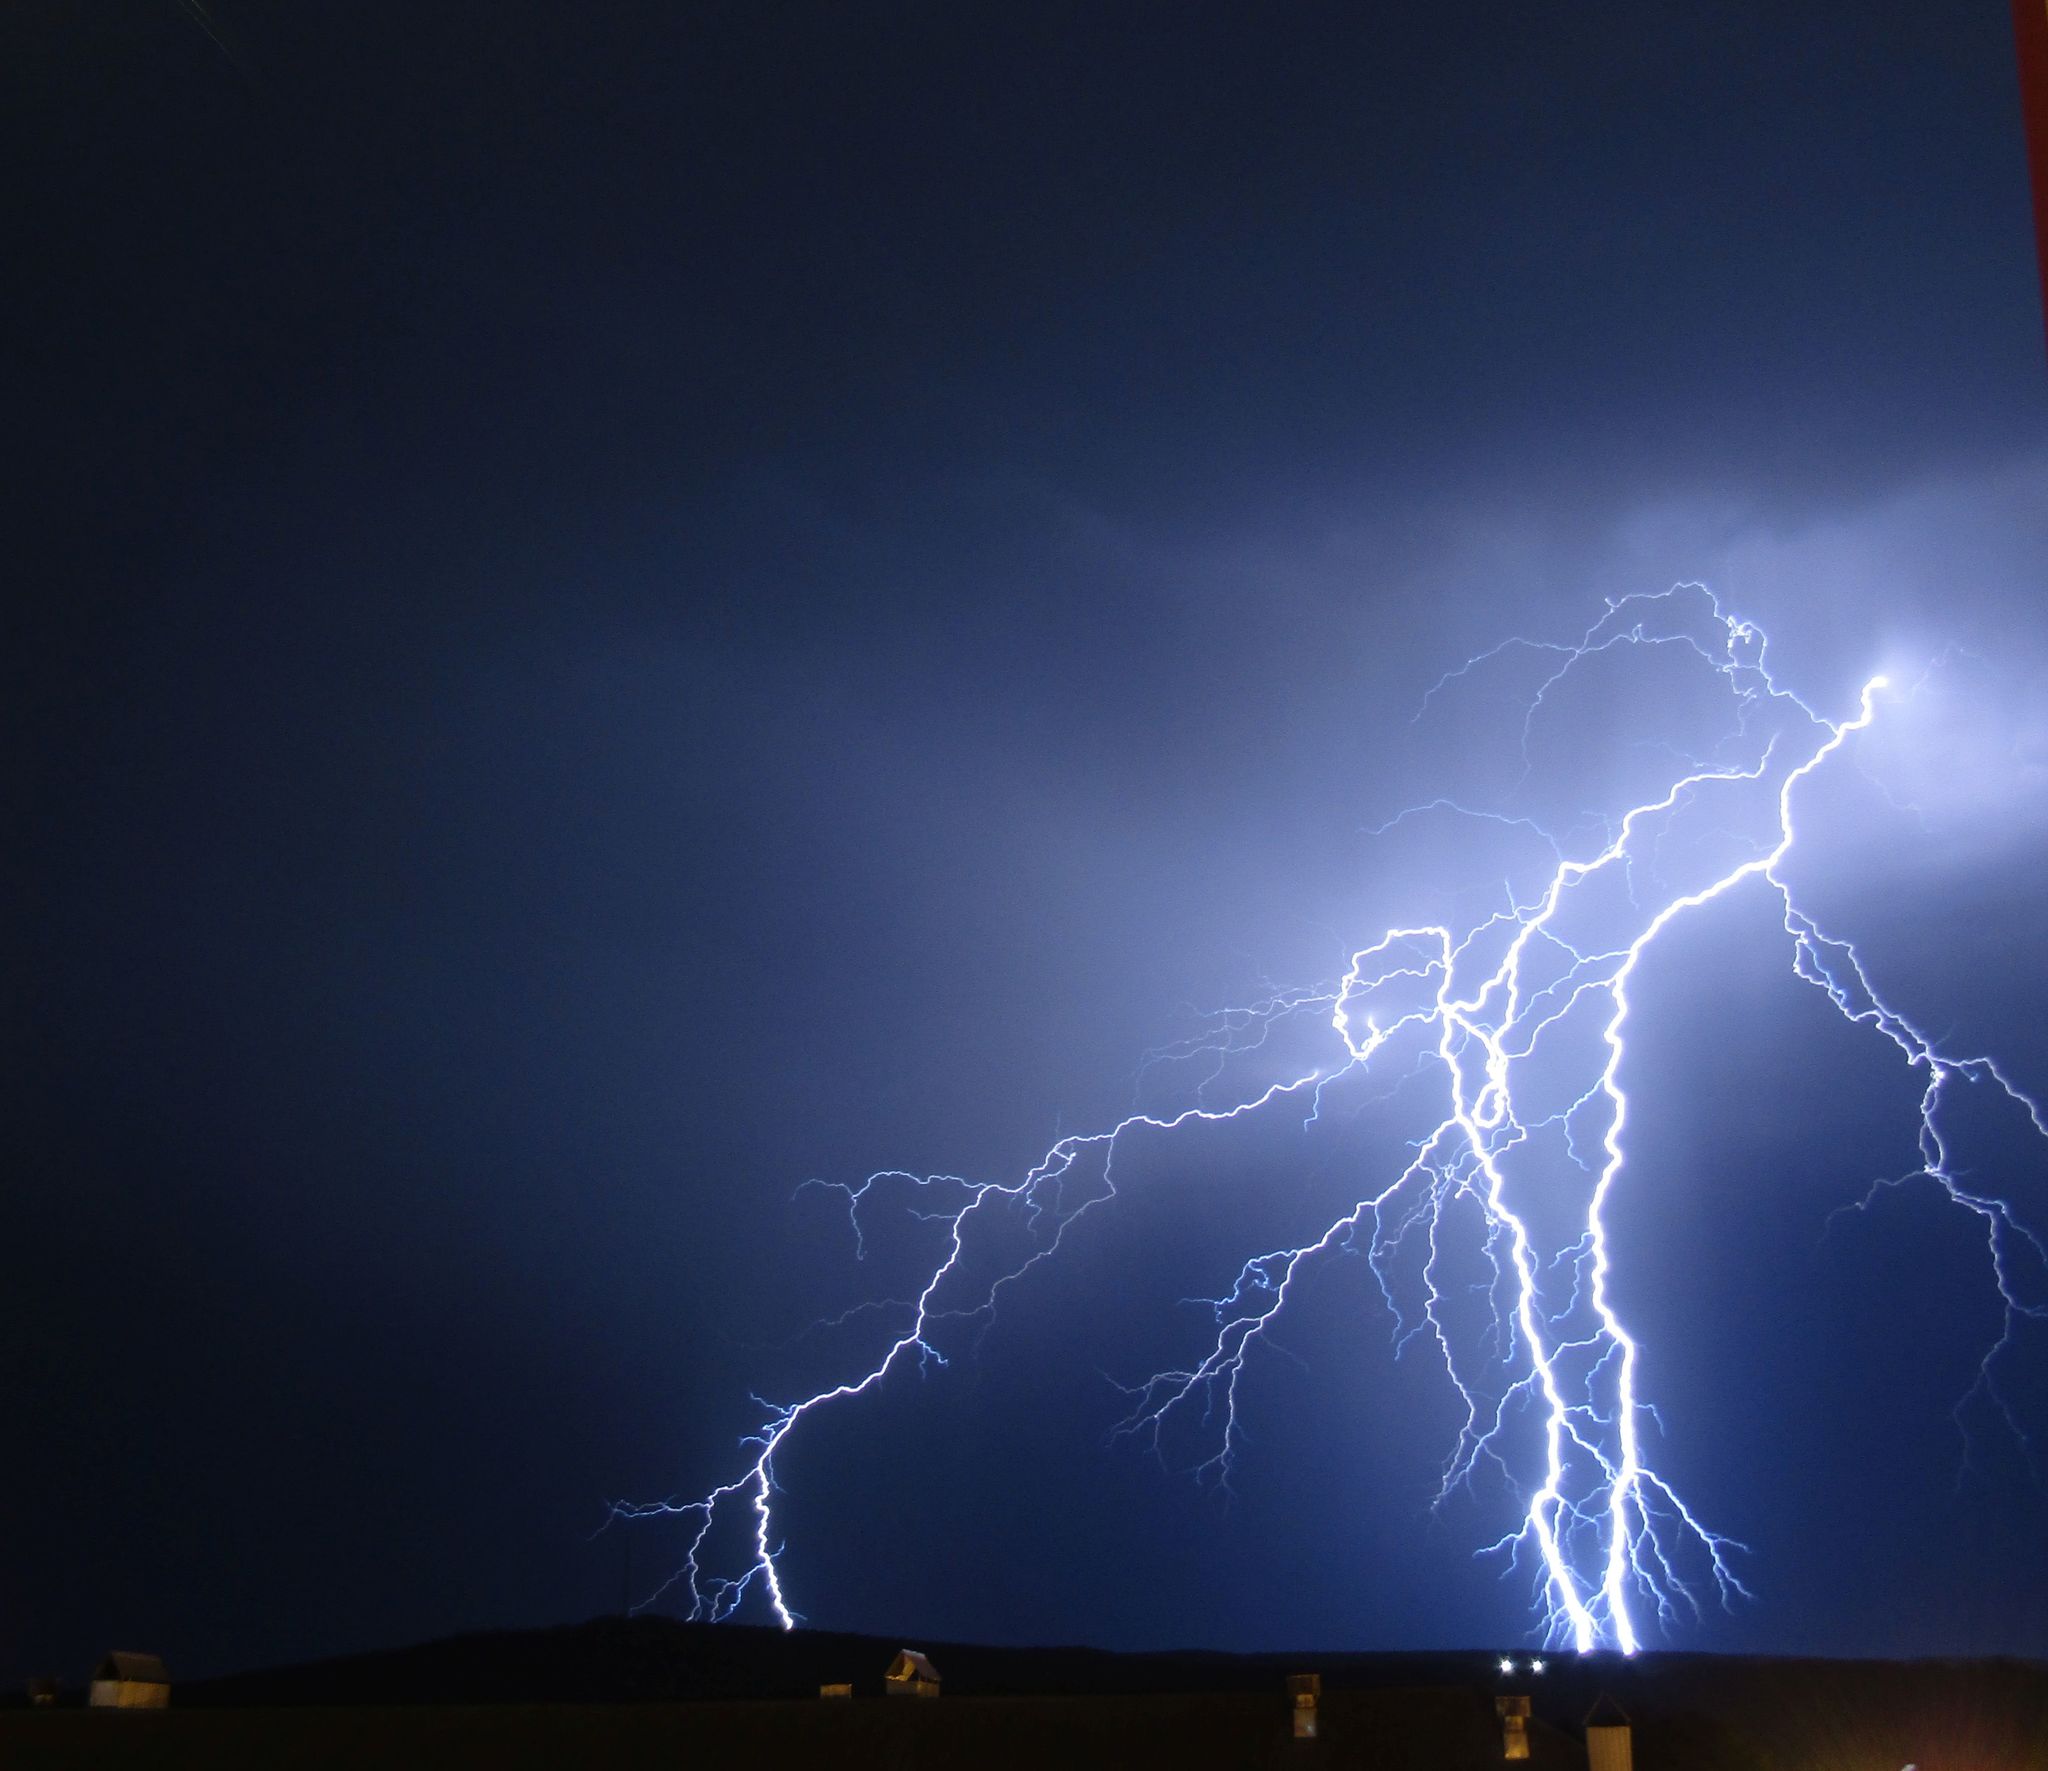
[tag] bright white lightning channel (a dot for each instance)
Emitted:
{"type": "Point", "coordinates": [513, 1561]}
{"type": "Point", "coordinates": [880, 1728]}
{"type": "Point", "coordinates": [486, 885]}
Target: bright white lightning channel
{"type": "Point", "coordinates": [1551, 1401]}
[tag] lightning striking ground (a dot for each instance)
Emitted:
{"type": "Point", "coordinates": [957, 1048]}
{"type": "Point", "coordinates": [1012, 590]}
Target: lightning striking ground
{"type": "Point", "coordinates": [1494, 1013]}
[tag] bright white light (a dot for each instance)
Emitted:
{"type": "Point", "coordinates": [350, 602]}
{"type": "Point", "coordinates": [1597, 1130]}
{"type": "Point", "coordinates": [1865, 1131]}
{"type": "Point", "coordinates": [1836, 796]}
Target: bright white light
{"type": "Point", "coordinates": [1536, 1666]}
{"type": "Point", "coordinates": [1506, 1665]}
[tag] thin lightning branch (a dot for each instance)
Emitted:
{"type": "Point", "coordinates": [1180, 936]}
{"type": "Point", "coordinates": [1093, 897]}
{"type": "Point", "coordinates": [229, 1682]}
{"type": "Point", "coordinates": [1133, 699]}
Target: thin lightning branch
{"type": "Point", "coordinates": [1493, 1013]}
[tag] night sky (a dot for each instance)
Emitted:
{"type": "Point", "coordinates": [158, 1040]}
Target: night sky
{"type": "Point", "coordinates": [617, 608]}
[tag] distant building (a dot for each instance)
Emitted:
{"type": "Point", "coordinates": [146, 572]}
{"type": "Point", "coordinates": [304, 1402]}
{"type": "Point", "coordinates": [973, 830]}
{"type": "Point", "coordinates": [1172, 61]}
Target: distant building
{"type": "Point", "coordinates": [1306, 1692]}
{"type": "Point", "coordinates": [42, 1693]}
{"type": "Point", "coordinates": [835, 1690]}
{"type": "Point", "coordinates": [1607, 1737]}
{"type": "Point", "coordinates": [131, 1682]}
{"type": "Point", "coordinates": [911, 1675]}
{"type": "Point", "coordinates": [1514, 1726]}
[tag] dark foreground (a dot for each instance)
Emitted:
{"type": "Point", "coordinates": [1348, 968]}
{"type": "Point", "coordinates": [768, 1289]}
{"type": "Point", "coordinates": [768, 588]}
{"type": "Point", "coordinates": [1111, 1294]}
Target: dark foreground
{"type": "Point", "coordinates": [656, 1693]}
{"type": "Point", "coordinates": [1440, 1731]}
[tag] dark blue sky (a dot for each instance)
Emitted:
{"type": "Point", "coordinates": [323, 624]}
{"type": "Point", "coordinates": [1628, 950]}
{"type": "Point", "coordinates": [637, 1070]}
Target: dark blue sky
{"type": "Point", "coordinates": [617, 612]}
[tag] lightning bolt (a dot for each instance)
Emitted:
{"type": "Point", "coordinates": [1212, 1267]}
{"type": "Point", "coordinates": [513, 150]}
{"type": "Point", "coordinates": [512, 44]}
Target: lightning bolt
{"type": "Point", "coordinates": [1550, 1390]}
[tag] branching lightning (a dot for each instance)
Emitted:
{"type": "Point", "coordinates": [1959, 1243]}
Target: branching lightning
{"type": "Point", "coordinates": [1489, 1016]}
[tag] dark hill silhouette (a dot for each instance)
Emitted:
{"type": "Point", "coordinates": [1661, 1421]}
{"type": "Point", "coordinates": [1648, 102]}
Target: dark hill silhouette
{"type": "Point", "coordinates": [651, 1691]}
{"type": "Point", "coordinates": [1717, 1713]}
{"type": "Point", "coordinates": [652, 1659]}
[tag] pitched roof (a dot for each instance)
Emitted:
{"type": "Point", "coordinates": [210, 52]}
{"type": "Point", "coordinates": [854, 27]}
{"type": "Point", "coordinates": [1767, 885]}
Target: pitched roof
{"type": "Point", "coordinates": [134, 1669]}
{"type": "Point", "coordinates": [909, 1664]}
{"type": "Point", "coordinates": [1606, 1713]}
